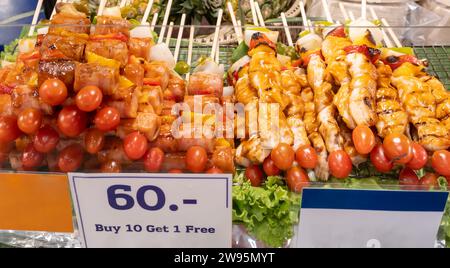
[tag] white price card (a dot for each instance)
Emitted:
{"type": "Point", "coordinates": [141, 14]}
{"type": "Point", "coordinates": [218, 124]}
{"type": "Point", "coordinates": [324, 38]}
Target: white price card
{"type": "Point", "coordinates": [369, 218]}
{"type": "Point", "coordinates": [153, 210]}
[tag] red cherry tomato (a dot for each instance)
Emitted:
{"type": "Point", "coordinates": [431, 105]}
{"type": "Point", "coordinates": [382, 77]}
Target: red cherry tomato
{"type": "Point", "coordinates": [94, 140]}
{"type": "Point", "coordinates": [153, 160]}
{"type": "Point", "coordinates": [135, 145]}
{"type": "Point", "coordinates": [196, 159]}
{"type": "Point", "coordinates": [175, 171]}
{"type": "Point", "coordinates": [269, 167]}
{"type": "Point", "coordinates": [107, 119]}
{"type": "Point", "coordinates": [306, 156]}
{"type": "Point", "coordinates": [283, 156]}
{"type": "Point", "coordinates": [89, 98]}
{"type": "Point", "coordinates": [32, 158]}
{"type": "Point", "coordinates": [296, 179]}
{"type": "Point", "coordinates": [340, 164]}
{"type": "Point", "coordinates": [71, 121]}
{"type": "Point", "coordinates": [46, 139]}
{"type": "Point", "coordinates": [214, 170]}
{"type": "Point", "coordinates": [254, 174]}
{"type": "Point", "coordinates": [363, 139]}
{"type": "Point", "coordinates": [111, 166]}
{"type": "Point", "coordinates": [440, 161]}
{"type": "Point", "coordinates": [420, 157]}
{"type": "Point", "coordinates": [397, 147]}
{"type": "Point", "coordinates": [379, 159]}
{"type": "Point", "coordinates": [408, 179]}
{"type": "Point", "coordinates": [29, 120]}
{"type": "Point", "coordinates": [53, 91]}
{"type": "Point", "coordinates": [9, 131]}
{"type": "Point", "coordinates": [70, 158]}
{"type": "Point", "coordinates": [429, 181]}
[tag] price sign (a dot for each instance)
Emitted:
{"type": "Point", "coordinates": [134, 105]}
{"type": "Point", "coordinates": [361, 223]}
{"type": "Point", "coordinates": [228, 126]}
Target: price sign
{"type": "Point", "coordinates": [369, 218]}
{"type": "Point", "coordinates": [153, 210]}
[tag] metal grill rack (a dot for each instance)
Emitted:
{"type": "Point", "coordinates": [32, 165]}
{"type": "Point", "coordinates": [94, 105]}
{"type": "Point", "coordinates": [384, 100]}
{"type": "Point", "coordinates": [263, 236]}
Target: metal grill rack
{"type": "Point", "coordinates": [439, 61]}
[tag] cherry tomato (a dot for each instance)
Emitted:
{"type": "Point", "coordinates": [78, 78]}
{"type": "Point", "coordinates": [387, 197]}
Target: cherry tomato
{"type": "Point", "coordinates": [296, 179]}
{"type": "Point", "coordinates": [175, 171]}
{"type": "Point", "coordinates": [196, 159]}
{"type": "Point", "coordinates": [306, 156]}
{"type": "Point", "coordinates": [53, 91]}
{"type": "Point", "coordinates": [429, 181]}
{"type": "Point", "coordinates": [254, 174]}
{"type": "Point", "coordinates": [70, 158]}
{"type": "Point", "coordinates": [364, 139]}
{"type": "Point", "coordinates": [32, 158]}
{"type": "Point", "coordinates": [214, 170]}
{"type": "Point", "coordinates": [408, 179]}
{"type": "Point", "coordinates": [9, 131]}
{"type": "Point", "coordinates": [153, 160]}
{"type": "Point", "coordinates": [379, 159]}
{"type": "Point", "coordinates": [269, 167]}
{"type": "Point", "coordinates": [107, 119]}
{"type": "Point", "coordinates": [89, 98]}
{"type": "Point", "coordinates": [340, 164]}
{"type": "Point", "coordinates": [46, 139]}
{"type": "Point", "coordinates": [440, 161]}
{"type": "Point", "coordinates": [397, 147]}
{"type": "Point", "coordinates": [135, 145]}
{"type": "Point", "coordinates": [71, 121]}
{"type": "Point", "coordinates": [283, 156]}
{"type": "Point", "coordinates": [111, 166]}
{"type": "Point", "coordinates": [94, 140]}
{"type": "Point", "coordinates": [420, 157]}
{"type": "Point", "coordinates": [29, 120]}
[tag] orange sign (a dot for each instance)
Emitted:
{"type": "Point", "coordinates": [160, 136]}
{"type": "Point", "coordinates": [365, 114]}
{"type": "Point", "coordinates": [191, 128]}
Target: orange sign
{"type": "Point", "coordinates": [35, 202]}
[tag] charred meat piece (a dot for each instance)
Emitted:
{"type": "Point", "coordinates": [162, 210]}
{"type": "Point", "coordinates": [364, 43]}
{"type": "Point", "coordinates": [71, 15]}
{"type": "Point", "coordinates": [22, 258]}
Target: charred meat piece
{"type": "Point", "coordinates": [109, 48]}
{"type": "Point", "coordinates": [56, 47]}
{"type": "Point", "coordinates": [109, 25]}
{"type": "Point", "coordinates": [106, 78]}
{"type": "Point", "coordinates": [61, 69]}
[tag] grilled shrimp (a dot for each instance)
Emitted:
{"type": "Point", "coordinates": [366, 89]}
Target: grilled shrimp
{"type": "Point", "coordinates": [442, 100]}
{"type": "Point", "coordinates": [292, 87]}
{"type": "Point", "coordinates": [333, 48]}
{"type": "Point", "coordinates": [251, 151]}
{"type": "Point", "coordinates": [309, 117]}
{"type": "Point", "coordinates": [298, 129]}
{"type": "Point", "coordinates": [363, 89]}
{"type": "Point", "coordinates": [391, 116]}
{"type": "Point", "coordinates": [244, 92]}
{"type": "Point", "coordinates": [321, 170]}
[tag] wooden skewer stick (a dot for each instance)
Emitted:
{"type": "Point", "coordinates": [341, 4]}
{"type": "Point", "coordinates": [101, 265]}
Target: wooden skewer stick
{"type": "Point", "coordinates": [35, 17]}
{"type": "Point", "coordinates": [259, 15]}
{"type": "Point", "coordinates": [351, 16]}
{"type": "Point", "coordinates": [386, 38]}
{"type": "Point", "coordinates": [216, 34]}
{"type": "Point", "coordinates": [327, 11]}
{"type": "Point", "coordinates": [101, 8]}
{"type": "Point", "coordinates": [154, 21]}
{"type": "Point", "coordinates": [218, 54]}
{"type": "Point", "coordinates": [343, 11]}
{"type": "Point", "coordinates": [180, 36]}
{"type": "Point", "coordinates": [364, 9]}
{"type": "Point", "coordinates": [123, 3]}
{"type": "Point", "coordinates": [255, 19]}
{"type": "Point", "coordinates": [190, 47]}
{"type": "Point", "coordinates": [164, 24]}
{"type": "Point", "coordinates": [169, 33]}
{"type": "Point", "coordinates": [391, 32]}
{"type": "Point", "coordinates": [233, 20]}
{"type": "Point", "coordinates": [239, 23]}
{"type": "Point", "coordinates": [286, 29]}
{"type": "Point", "coordinates": [304, 17]}
{"type": "Point", "coordinates": [147, 12]}
{"type": "Point", "coordinates": [311, 26]}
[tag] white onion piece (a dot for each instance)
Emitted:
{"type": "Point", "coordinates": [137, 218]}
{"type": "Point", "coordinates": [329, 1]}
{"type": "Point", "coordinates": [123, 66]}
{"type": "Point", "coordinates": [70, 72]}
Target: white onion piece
{"type": "Point", "coordinates": [239, 64]}
{"type": "Point", "coordinates": [309, 42]}
{"type": "Point", "coordinates": [329, 29]}
{"type": "Point", "coordinates": [112, 12]}
{"type": "Point", "coordinates": [43, 30]}
{"type": "Point", "coordinates": [211, 67]}
{"type": "Point", "coordinates": [272, 35]}
{"type": "Point", "coordinates": [228, 91]}
{"type": "Point", "coordinates": [142, 31]}
{"type": "Point", "coordinates": [357, 30]}
{"type": "Point", "coordinates": [5, 63]}
{"type": "Point", "coordinates": [27, 45]}
{"type": "Point", "coordinates": [161, 52]}
{"type": "Point", "coordinates": [283, 59]}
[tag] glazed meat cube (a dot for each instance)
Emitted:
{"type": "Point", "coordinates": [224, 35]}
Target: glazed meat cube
{"type": "Point", "coordinates": [140, 47]}
{"type": "Point", "coordinates": [205, 84]}
{"type": "Point", "coordinates": [150, 99]}
{"type": "Point", "coordinates": [64, 22]}
{"type": "Point", "coordinates": [55, 47]}
{"type": "Point", "coordinates": [109, 48]}
{"type": "Point", "coordinates": [157, 74]}
{"type": "Point", "coordinates": [135, 73]}
{"type": "Point", "coordinates": [61, 69]}
{"type": "Point", "coordinates": [110, 25]}
{"type": "Point", "coordinates": [106, 78]}
{"type": "Point", "coordinates": [175, 89]}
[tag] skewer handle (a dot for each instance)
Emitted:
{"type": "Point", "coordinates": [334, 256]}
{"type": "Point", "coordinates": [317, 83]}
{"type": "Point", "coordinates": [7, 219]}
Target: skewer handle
{"type": "Point", "coordinates": [166, 19]}
{"type": "Point", "coordinates": [147, 12]}
{"type": "Point", "coordinates": [101, 8]}
{"type": "Point", "coordinates": [391, 32]}
{"type": "Point", "coordinates": [169, 33]}
{"type": "Point", "coordinates": [154, 21]}
{"type": "Point", "coordinates": [35, 17]}
{"type": "Point", "coordinates": [304, 17]}
{"type": "Point", "coordinates": [216, 34]}
{"type": "Point", "coordinates": [233, 20]}
{"type": "Point", "coordinates": [327, 11]}
{"type": "Point", "coordinates": [343, 11]}
{"type": "Point", "coordinates": [259, 15]}
{"type": "Point", "coordinates": [254, 16]}
{"type": "Point", "coordinates": [123, 3]}
{"type": "Point", "coordinates": [286, 29]}
{"type": "Point", "coordinates": [190, 47]}
{"type": "Point", "coordinates": [180, 36]}
{"type": "Point", "coordinates": [364, 9]}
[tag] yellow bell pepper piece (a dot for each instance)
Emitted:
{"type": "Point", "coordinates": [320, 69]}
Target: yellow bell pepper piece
{"type": "Point", "coordinates": [94, 58]}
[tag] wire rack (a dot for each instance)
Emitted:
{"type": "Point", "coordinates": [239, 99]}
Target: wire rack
{"type": "Point", "coordinates": [439, 61]}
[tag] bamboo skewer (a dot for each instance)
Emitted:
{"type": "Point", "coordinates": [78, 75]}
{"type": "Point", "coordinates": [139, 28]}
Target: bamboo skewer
{"type": "Point", "coordinates": [327, 11]}
{"type": "Point", "coordinates": [343, 11]}
{"type": "Point", "coordinates": [304, 17]}
{"type": "Point", "coordinates": [169, 33]}
{"type": "Point", "coordinates": [180, 36]}
{"type": "Point", "coordinates": [351, 16]}
{"type": "Point", "coordinates": [391, 32]}
{"type": "Point", "coordinates": [216, 33]}
{"type": "Point", "coordinates": [286, 29]}
{"type": "Point", "coordinates": [237, 30]}
{"type": "Point", "coordinates": [164, 24]}
{"type": "Point", "coordinates": [35, 17]}
{"type": "Point", "coordinates": [364, 9]}
{"type": "Point", "coordinates": [101, 7]}
{"type": "Point", "coordinates": [123, 3]}
{"type": "Point", "coordinates": [154, 21]}
{"type": "Point", "coordinates": [254, 16]}
{"type": "Point", "coordinates": [259, 15]}
{"type": "Point", "coordinates": [190, 47]}
{"type": "Point", "coordinates": [386, 38]}
{"type": "Point", "coordinates": [147, 12]}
